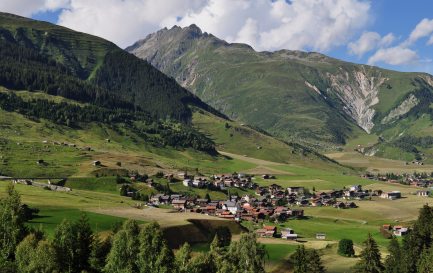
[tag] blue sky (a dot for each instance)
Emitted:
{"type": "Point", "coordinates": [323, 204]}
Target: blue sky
{"type": "Point", "coordinates": [391, 34]}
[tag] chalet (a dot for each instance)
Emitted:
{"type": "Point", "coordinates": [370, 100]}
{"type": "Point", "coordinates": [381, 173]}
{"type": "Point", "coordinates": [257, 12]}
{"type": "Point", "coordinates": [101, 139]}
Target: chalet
{"type": "Point", "coordinates": [233, 207]}
{"type": "Point", "coordinates": [423, 193]}
{"type": "Point", "coordinates": [296, 190]}
{"type": "Point", "coordinates": [296, 213]}
{"type": "Point", "coordinates": [267, 231]}
{"type": "Point", "coordinates": [355, 188]}
{"type": "Point", "coordinates": [289, 234]}
{"type": "Point", "coordinates": [400, 231]}
{"type": "Point", "coordinates": [210, 210]}
{"type": "Point", "coordinates": [198, 183]}
{"type": "Point", "coordinates": [391, 195]}
{"type": "Point", "coordinates": [320, 236]}
{"type": "Point", "coordinates": [179, 203]}
{"type": "Point", "coordinates": [187, 182]}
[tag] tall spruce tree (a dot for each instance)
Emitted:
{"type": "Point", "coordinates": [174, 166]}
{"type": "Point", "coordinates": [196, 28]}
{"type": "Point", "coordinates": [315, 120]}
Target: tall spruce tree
{"type": "Point", "coordinates": [425, 263]}
{"type": "Point", "coordinates": [315, 264]}
{"type": "Point", "coordinates": [370, 258]}
{"type": "Point", "coordinates": [84, 239]}
{"type": "Point", "coordinates": [300, 262]}
{"type": "Point", "coordinates": [393, 262]}
{"type": "Point", "coordinates": [419, 238]}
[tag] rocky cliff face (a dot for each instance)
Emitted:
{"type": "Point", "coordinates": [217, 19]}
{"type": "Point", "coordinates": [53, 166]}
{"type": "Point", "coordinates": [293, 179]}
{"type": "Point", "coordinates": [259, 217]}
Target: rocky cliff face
{"type": "Point", "coordinates": [358, 92]}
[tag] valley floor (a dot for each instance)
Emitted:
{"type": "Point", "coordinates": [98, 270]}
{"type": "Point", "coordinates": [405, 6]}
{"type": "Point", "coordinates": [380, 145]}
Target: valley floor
{"type": "Point", "coordinates": [105, 207]}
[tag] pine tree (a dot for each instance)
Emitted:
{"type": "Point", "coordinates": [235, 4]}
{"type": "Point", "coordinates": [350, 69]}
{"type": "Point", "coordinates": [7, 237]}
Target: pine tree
{"type": "Point", "coordinates": [393, 261]}
{"type": "Point", "coordinates": [419, 238]}
{"type": "Point", "coordinates": [100, 250]}
{"type": "Point", "coordinates": [84, 239]}
{"type": "Point", "coordinates": [370, 258]}
{"type": "Point", "coordinates": [425, 263]}
{"type": "Point", "coordinates": [315, 264]}
{"type": "Point", "coordinates": [299, 259]}
{"type": "Point", "coordinates": [224, 236]}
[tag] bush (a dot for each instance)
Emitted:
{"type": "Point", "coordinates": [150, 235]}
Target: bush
{"type": "Point", "coordinates": [345, 248]}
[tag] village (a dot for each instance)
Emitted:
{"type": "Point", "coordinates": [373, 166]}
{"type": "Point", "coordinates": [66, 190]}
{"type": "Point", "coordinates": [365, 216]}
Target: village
{"type": "Point", "coordinates": [266, 204]}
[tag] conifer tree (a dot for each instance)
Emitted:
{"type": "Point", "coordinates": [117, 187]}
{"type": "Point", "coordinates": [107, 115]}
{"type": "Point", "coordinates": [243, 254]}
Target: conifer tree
{"type": "Point", "coordinates": [370, 258]}
{"type": "Point", "coordinates": [315, 264]}
{"type": "Point", "coordinates": [425, 263]}
{"type": "Point", "coordinates": [300, 262]}
{"type": "Point", "coordinates": [393, 260]}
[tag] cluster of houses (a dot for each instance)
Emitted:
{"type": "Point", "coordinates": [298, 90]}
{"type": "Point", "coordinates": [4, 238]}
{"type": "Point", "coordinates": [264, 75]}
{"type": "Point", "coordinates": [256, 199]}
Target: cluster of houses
{"type": "Point", "coordinates": [395, 230]}
{"type": "Point", "coordinates": [220, 181]}
{"type": "Point", "coordinates": [301, 197]}
{"type": "Point", "coordinates": [239, 209]}
{"type": "Point", "coordinates": [420, 180]}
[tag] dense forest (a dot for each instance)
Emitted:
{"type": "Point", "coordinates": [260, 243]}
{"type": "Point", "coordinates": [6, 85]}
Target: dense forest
{"type": "Point", "coordinates": [44, 57]}
{"type": "Point", "coordinates": [152, 131]}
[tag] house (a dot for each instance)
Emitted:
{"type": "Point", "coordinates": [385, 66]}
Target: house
{"type": "Point", "coordinates": [320, 236]}
{"type": "Point", "coordinates": [296, 213]}
{"type": "Point", "coordinates": [231, 206]}
{"type": "Point", "coordinates": [355, 188]}
{"type": "Point", "coordinates": [391, 195]}
{"type": "Point", "coordinates": [296, 190]}
{"type": "Point", "coordinates": [400, 231]}
{"type": "Point", "coordinates": [198, 183]}
{"type": "Point", "coordinates": [289, 234]}
{"type": "Point", "coordinates": [179, 203]}
{"type": "Point", "coordinates": [187, 182]}
{"type": "Point", "coordinates": [423, 193]}
{"type": "Point", "coordinates": [267, 231]}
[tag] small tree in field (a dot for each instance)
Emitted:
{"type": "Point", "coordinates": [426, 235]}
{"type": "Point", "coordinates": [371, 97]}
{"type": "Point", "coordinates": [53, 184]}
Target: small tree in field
{"type": "Point", "coordinates": [345, 248]}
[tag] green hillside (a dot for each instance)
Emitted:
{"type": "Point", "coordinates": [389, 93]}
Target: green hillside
{"type": "Point", "coordinates": [298, 96]}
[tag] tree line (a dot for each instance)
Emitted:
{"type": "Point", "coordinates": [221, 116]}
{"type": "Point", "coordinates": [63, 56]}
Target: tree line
{"type": "Point", "coordinates": [141, 123]}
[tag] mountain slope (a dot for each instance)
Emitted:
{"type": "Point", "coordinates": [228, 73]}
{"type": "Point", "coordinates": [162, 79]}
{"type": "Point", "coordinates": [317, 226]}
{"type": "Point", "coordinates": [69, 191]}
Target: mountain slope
{"type": "Point", "coordinates": [92, 70]}
{"type": "Point", "coordinates": [291, 94]}
{"type": "Point", "coordinates": [68, 84]}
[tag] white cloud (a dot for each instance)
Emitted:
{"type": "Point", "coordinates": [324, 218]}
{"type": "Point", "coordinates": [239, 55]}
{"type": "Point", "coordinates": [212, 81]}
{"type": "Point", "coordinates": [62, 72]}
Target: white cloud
{"type": "Point", "coordinates": [369, 41]}
{"type": "Point", "coordinates": [430, 41]}
{"type": "Point", "coordinates": [29, 7]}
{"type": "Point", "coordinates": [317, 25]}
{"type": "Point", "coordinates": [423, 29]}
{"type": "Point", "coordinates": [267, 25]}
{"type": "Point", "coordinates": [397, 55]}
